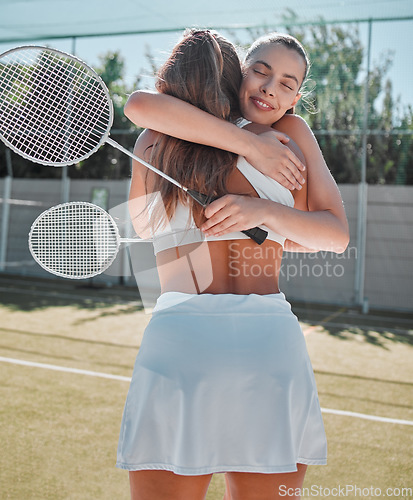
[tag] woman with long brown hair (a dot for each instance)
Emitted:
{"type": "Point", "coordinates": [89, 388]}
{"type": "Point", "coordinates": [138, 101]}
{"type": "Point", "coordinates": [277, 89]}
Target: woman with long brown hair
{"type": "Point", "coordinates": [222, 381]}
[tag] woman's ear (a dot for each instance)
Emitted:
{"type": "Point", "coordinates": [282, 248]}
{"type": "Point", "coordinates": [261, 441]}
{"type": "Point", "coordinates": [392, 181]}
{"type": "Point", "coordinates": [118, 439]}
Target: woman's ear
{"type": "Point", "coordinates": [291, 111]}
{"type": "Point", "coordinates": [296, 99]}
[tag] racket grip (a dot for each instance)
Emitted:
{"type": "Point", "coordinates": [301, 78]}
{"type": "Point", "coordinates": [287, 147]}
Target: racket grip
{"type": "Point", "coordinates": [202, 199]}
{"type": "Point", "coordinates": [256, 234]}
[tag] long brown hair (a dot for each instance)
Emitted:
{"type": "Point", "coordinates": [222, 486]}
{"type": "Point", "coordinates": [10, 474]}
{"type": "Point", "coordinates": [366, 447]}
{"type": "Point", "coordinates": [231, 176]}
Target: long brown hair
{"type": "Point", "coordinates": [203, 70]}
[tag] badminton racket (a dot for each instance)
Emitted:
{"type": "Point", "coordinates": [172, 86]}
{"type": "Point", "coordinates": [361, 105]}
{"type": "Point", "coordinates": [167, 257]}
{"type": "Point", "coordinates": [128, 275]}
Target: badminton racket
{"type": "Point", "coordinates": [55, 110]}
{"type": "Point", "coordinates": [75, 240]}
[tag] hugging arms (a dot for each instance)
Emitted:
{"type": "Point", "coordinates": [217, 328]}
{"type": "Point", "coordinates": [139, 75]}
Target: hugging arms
{"type": "Point", "coordinates": [317, 221]}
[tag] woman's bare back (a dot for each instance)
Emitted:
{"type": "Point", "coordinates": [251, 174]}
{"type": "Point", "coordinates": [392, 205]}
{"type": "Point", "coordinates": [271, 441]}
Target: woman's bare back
{"type": "Point", "coordinates": [229, 266]}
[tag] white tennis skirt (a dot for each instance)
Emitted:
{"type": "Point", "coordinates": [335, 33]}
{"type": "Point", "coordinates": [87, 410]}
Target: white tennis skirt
{"type": "Point", "coordinates": [222, 383]}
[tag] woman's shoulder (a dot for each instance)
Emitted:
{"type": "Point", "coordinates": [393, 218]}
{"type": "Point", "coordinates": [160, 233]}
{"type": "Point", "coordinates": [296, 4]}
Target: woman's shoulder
{"type": "Point", "coordinates": [293, 123]}
{"type": "Point", "coordinates": [257, 128]}
{"type": "Point", "coordinates": [145, 140]}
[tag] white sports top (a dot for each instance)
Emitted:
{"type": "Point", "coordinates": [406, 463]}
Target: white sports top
{"type": "Point", "coordinates": [181, 229]}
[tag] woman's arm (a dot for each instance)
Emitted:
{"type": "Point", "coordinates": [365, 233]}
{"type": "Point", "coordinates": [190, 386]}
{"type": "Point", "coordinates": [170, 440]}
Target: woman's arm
{"type": "Point", "coordinates": [313, 231]}
{"type": "Point", "coordinates": [322, 190]}
{"type": "Point", "coordinates": [177, 118]}
{"type": "Point", "coordinates": [303, 136]}
{"type": "Point", "coordinates": [323, 227]}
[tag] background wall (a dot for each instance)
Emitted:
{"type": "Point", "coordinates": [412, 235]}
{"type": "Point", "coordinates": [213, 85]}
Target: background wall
{"type": "Point", "coordinates": [323, 277]}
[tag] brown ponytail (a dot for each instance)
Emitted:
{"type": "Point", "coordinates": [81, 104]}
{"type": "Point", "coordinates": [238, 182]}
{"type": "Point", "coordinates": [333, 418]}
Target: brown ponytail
{"type": "Point", "coordinates": [204, 70]}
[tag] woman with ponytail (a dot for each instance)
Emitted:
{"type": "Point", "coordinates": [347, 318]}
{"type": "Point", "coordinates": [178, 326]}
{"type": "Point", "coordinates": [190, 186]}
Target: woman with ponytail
{"type": "Point", "coordinates": [222, 382]}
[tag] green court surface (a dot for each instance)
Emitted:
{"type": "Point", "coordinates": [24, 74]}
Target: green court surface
{"type": "Point", "coordinates": [66, 354]}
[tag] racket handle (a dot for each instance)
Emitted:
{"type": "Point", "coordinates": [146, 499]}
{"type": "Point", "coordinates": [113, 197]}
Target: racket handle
{"type": "Point", "coordinates": [256, 233]}
{"type": "Point", "coordinates": [202, 199]}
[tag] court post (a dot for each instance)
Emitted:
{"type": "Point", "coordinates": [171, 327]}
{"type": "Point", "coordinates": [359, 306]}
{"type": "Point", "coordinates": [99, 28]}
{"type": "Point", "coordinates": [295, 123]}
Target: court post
{"type": "Point", "coordinates": [5, 213]}
{"type": "Point", "coordinates": [362, 193]}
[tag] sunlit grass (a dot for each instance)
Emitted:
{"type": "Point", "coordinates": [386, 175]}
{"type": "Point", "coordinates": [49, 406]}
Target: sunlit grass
{"type": "Point", "coordinates": [59, 430]}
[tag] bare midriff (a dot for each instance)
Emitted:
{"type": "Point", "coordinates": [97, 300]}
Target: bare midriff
{"type": "Point", "coordinates": [228, 266]}
{"type": "Point", "coordinates": [233, 266]}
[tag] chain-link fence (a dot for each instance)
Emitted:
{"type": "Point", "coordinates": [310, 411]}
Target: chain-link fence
{"type": "Point", "coordinates": [361, 110]}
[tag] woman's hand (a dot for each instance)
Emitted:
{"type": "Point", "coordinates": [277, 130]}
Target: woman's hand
{"type": "Point", "coordinates": [232, 213]}
{"type": "Point", "coordinates": [272, 157]}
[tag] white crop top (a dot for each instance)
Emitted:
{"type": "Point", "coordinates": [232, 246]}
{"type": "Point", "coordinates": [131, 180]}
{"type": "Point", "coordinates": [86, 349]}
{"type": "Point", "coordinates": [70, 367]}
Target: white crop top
{"type": "Point", "coordinates": [181, 229]}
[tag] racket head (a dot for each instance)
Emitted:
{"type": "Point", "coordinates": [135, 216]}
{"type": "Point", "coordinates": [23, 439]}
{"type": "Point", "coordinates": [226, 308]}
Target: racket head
{"type": "Point", "coordinates": [54, 109]}
{"type": "Point", "coordinates": [75, 240]}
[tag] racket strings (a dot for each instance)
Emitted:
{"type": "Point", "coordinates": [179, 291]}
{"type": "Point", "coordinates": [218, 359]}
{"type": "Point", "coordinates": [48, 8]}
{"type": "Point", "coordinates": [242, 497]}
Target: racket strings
{"type": "Point", "coordinates": [31, 101]}
{"type": "Point", "coordinates": [82, 105]}
{"type": "Point", "coordinates": [55, 80]}
{"type": "Point", "coordinates": [48, 111]}
{"type": "Point", "coordinates": [57, 105]}
{"type": "Point", "coordinates": [24, 115]}
{"type": "Point", "coordinates": [75, 240]}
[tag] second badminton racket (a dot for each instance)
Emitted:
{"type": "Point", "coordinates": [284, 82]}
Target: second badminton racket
{"type": "Point", "coordinates": [75, 240]}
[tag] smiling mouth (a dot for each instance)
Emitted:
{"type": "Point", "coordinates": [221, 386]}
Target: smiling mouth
{"type": "Point", "coordinates": [261, 104]}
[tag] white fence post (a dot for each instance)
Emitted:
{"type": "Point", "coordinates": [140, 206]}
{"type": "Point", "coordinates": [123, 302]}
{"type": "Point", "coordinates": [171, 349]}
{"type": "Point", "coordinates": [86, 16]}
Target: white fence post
{"type": "Point", "coordinates": [64, 186]}
{"type": "Point", "coordinates": [5, 217]}
{"type": "Point", "coordinates": [362, 192]}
